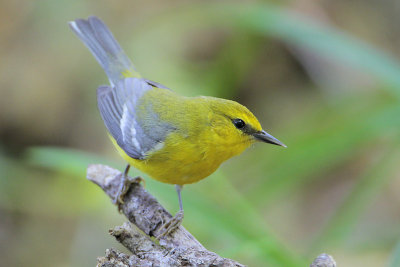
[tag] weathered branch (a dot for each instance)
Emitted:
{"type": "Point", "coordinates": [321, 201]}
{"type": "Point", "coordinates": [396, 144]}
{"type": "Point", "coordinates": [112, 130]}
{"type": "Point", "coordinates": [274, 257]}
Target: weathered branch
{"type": "Point", "coordinates": [323, 260]}
{"type": "Point", "coordinates": [147, 216]}
{"type": "Point", "coordinates": [142, 209]}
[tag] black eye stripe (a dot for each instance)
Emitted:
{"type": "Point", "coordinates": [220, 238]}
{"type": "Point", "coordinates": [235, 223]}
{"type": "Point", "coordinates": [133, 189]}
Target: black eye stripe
{"type": "Point", "coordinates": [239, 123]}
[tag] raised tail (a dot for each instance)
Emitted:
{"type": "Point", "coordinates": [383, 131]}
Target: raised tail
{"type": "Point", "coordinates": [100, 41]}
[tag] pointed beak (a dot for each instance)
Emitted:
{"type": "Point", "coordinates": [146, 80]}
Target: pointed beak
{"type": "Point", "coordinates": [267, 138]}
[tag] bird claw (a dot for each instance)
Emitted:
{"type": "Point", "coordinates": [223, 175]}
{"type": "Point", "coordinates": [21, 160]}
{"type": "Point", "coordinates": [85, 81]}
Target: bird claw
{"type": "Point", "coordinates": [123, 189]}
{"type": "Point", "coordinates": [171, 226]}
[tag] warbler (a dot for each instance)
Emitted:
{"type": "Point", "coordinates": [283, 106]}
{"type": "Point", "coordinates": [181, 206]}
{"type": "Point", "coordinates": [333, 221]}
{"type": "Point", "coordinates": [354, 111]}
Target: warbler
{"type": "Point", "coordinates": [174, 139]}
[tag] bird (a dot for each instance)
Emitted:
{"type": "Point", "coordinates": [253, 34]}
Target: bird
{"type": "Point", "coordinates": [174, 139]}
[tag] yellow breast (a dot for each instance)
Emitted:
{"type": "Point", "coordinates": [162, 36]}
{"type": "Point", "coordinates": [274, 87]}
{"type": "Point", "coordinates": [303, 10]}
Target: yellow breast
{"type": "Point", "coordinates": [183, 160]}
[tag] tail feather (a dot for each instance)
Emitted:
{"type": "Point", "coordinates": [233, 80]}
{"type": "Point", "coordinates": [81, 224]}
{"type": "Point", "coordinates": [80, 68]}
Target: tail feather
{"type": "Point", "coordinates": [100, 41]}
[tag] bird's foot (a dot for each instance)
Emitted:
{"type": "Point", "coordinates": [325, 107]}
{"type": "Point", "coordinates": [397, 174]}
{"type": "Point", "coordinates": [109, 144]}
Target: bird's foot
{"type": "Point", "coordinates": [171, 226]}
{"type": "Point", "coordinates": [123, 189]}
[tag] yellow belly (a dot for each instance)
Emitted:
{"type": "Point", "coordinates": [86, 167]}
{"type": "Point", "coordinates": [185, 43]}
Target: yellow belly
{"type": "Point", "coordinates": [183, 162]}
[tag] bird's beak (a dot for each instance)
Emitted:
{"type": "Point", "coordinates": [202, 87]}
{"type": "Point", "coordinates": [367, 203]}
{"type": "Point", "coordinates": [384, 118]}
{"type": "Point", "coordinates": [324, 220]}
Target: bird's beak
{"type": "Point", "coordinates": [267, 138]}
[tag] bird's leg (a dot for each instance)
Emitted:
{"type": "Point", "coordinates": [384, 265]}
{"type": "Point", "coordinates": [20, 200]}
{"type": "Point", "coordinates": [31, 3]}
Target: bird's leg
{"type": "Point", "coordinates": [173, 224]}
{"type": "Point", "coordinates": [124, 186]}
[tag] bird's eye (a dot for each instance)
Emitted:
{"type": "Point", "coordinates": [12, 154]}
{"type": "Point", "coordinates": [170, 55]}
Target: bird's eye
{"type": "Point", "coordinates": [239, 123]}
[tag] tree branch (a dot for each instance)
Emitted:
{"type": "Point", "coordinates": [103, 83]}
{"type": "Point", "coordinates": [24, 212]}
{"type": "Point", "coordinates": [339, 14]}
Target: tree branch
{"type": "Point", "coordinates": [142, 209]}
{"type": "Point", "coordinates": [323, 260]}
{"type": "Point", "coordinates": [147, 216]}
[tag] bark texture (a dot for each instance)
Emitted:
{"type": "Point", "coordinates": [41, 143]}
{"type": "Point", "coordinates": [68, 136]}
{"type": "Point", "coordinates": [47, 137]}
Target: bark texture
{"type": "Point", "coordinates": [147, 216]}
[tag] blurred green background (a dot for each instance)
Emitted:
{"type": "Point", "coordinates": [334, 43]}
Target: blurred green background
{"type": "Point", "coordinates": [322, 76]}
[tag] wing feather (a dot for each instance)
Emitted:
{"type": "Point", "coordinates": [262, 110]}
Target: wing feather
{"type": "Point", "coordinates": [118, 108]}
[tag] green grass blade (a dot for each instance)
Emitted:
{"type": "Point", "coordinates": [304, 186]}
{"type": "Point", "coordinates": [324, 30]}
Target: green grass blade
{"type": "Point", "coordinates": [67, 160]}
{"type": "Point", "coordinates": [368, 187]}
{"type": "Point", "coordinates": [315, 152]}
{"type": "Point", "coordinates": [395, 258]}
{"type": "Point", "coordinates": [324, 40]}
{"type": "Point", "coordinates": [280, 23]}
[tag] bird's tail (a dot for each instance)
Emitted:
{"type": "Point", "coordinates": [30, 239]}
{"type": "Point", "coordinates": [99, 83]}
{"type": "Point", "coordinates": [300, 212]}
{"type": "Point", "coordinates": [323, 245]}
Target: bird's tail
{"type": "Point", "coordinates": [100, 41]}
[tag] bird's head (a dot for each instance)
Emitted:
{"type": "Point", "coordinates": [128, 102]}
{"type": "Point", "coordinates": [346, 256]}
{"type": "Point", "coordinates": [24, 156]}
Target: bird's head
{"type": "Point", "coordinates": [237, 125]}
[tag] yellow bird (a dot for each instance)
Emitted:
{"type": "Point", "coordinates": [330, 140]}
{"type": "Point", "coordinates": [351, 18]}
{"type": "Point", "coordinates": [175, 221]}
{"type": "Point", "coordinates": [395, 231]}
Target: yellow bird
{"type": "Point", "coordinates": [174, 139]}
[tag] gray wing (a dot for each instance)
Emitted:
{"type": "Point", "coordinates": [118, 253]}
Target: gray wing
{"type": "Point", "coordinates": [118, 108]}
